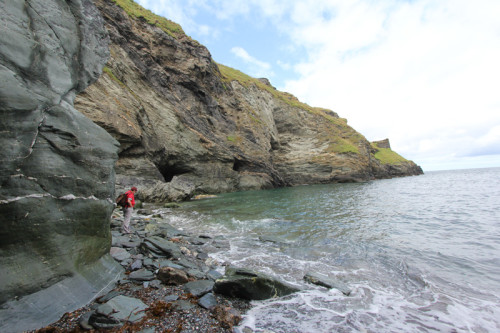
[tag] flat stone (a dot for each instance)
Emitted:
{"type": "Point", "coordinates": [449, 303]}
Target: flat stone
{"type": "Point", "coordinates": [208, 301]}
{"type": "Point", "coordinates": [119, 254]}
{"type": "Point", "coordinates": [123, 308]}
{"type": "Point", "coordinates": [199, 288]}
{"type": "Point", "coordinates": [161, 245]}
{"type": "Point", "coordinates": [112, 294]}
{"type": "Point", "coordinates": [141, 275]}
{"type": "Point", "coordinates": [183, 305]}
{"type": "Point", "coordinates": [136, 265]}
{"type": "Point", "coordinates": [214, 275]}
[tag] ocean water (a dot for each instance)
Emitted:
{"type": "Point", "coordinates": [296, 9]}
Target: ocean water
{"type": "Point", "coordinates": [420, 254]}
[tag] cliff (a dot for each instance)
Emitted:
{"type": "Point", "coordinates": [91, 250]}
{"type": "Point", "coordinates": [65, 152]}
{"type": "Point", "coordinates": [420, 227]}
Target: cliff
{"type": "Point", "coordinates": [57, 167]}
{"type": "Point", "coordinates": [188, 125]}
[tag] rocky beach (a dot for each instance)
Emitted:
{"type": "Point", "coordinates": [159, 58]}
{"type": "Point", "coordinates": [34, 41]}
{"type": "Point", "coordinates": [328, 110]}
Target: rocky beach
{"type": "Point", "coordinates": [169, 283]}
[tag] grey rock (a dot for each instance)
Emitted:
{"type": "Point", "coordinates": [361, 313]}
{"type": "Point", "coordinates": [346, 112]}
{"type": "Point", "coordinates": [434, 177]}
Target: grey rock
{"type": "Point", "coordinates": [250, 285]}
{"type": "Point", "coordinates": [208, 301]}
{"type": "Point", "coordinates": [196, 273]}
{"type": "Point", "coordinates": [123, 308]}
{"type": "Point", "coordinates": [57, 170]}
{"type": "Point", "coordinates": [141, 275]}
{"type": "Point", "coordinates": [325, 281]}
{"type": "Point", "coordinates": [183, 305]}
{"type": "Point", "coordinates": [84, 320]}
{"type": "Point", "coordinates": [119, 254]}
{"type": "Point", "coordinates": [170, 298]}
{"type": "Point", "coordinates": [163, 246]}
{"type": "Point", "coordinates": [214, 275]}
{"type": "Point", "coordinates": [112, 294]}
{"type": "Point", "coordinates": [136, 265]}
{"type": "Point", "coordinates": [101, 321]}
{"type": "Point", "coordinates": [199, 288]}
{"type": "Point", "coordinates": [169, 263]}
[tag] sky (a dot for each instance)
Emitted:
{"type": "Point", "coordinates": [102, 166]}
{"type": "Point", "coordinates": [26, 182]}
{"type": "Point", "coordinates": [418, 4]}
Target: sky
{"type": "Point", "coordinates": [423, 73]}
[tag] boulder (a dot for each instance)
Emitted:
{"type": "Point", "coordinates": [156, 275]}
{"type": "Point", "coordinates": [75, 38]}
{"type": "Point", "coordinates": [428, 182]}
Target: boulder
{"type": "Point", "coordinates": [250, 285]}
{"type": "Point", "coordinates": [172, 276]}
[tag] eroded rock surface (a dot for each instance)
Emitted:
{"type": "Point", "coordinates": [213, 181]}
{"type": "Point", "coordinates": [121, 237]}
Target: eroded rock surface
{"type": "Point", "coordinates": [56, 170]}
{"type": "Point", "coordinates": [188, 125]}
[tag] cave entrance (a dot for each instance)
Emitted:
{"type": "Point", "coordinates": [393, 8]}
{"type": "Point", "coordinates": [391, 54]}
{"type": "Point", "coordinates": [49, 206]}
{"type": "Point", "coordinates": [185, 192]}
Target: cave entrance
{"type": "Point", "coordinates": [169, 171]}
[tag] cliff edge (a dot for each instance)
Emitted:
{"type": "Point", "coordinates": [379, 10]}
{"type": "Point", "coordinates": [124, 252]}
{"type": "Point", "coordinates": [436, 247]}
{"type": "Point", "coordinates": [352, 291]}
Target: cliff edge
{"type": "Point", "coordinates": [188, 125]}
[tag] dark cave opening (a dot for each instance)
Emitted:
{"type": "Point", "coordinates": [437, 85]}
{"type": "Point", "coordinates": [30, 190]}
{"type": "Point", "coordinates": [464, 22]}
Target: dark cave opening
{"type": "Point", "coordinates": [170, 171]}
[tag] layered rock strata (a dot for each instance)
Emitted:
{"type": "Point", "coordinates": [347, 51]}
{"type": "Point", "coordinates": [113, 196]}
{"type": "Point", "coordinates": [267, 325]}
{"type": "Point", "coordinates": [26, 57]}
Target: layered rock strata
{"type": "Point", "coordinates": [56, 170]}
{"type": "Point", "coordinates": [187, 125]}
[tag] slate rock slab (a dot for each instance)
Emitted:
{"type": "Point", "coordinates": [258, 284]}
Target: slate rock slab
{"type": "Point", "coordinates": [208, 301]}
{"type": "Point", "coordinates": [199, 288]}
{"type": "Point", "coordinates": [141, 275]}
{"type": "Point", "coordinates": [119, 254]}
{"type": "Point", "coordinates": [123, 308]}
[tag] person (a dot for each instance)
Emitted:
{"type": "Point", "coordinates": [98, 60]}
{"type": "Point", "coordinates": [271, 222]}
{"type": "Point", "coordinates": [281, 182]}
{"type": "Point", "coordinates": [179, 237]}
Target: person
{"type": "Point", "coordinates": [128, 208]}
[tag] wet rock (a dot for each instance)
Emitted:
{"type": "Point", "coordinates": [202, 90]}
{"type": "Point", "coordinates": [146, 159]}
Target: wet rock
{"type": "Point", "coordinates": [227, 316]}
{"type": "Point", "coordinates": [325, 281]}
{"type": "Point", "coordinates": [199, 288]}
{"type": "Point", "coordinates": [250, 285]}
{"type": "Point", "coordinates": [172, 276]}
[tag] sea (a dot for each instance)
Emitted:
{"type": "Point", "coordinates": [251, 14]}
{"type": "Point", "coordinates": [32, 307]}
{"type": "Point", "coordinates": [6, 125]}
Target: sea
{"type": "Point", "coordinates": [419, 254]}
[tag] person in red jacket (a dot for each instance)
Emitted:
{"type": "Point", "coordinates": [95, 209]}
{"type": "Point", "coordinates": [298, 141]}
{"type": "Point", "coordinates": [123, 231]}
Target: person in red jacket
{"type": "Point", "coordinates": [128, 208]}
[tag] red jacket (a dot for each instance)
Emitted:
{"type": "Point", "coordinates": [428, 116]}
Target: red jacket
{"type": "Point", "coordinates": [130, 199]}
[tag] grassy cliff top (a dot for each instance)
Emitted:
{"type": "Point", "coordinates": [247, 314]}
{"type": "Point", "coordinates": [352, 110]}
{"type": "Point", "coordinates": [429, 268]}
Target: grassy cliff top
{"type": "Point", "coordinates": [230, 74]}
{"type": "Point", "coordinates": [387, 155]}
{"type": "Point", "coordinates": [135, 10]}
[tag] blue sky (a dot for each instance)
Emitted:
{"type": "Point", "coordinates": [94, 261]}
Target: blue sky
{"type": "Point", "coordinates": [423, 73]}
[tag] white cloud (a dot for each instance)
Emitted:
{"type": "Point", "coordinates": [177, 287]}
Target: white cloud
{"type": "Point", "coordinates": [259, 68]}
{"type": "Point", "coordinates": [415, 72]}
{"type": "Point", "coordinates": [424, 73]}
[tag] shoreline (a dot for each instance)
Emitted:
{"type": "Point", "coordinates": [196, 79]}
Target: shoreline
{"type": "Point", "coordinates": [150, 277]}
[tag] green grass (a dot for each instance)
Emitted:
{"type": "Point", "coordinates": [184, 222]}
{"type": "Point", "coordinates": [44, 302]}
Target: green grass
{"type": "Point", "coordinates": [343, 146]}
{"type": "Point", "coordinates": [388, 156]}
{"type": "Point", "coordinates": [108, 71]}
{"type": "Point", "coordinates": [135, 10]}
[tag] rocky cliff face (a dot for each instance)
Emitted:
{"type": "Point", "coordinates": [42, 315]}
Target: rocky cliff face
{"type": "Point", "coordinates": [56, 170]}
{"type": "Point", "coordinates": [188, 125]}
